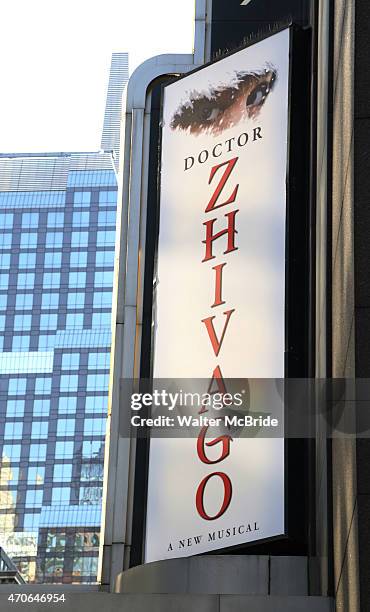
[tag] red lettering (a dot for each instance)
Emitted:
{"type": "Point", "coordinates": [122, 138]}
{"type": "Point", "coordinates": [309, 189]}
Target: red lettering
{"type": "Point", "coordinates": [220, 384]}
{"type": "Point", "coordinates": [230, 165]}
{"type": "Point", "coordinates": [201, 443]}
{"type": "Point", "coordinates": [217, 344]}
{"type": "Point", "coordinates": [199, 499]}
{"type": "Point", "coordinates": [211, 237]}
{"type": "Point", "coordinates": [218, 287]}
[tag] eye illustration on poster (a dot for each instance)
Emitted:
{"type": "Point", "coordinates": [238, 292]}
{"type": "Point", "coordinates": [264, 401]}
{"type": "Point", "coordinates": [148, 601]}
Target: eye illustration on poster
{"type": "Point", "coordinates": [220, 297]}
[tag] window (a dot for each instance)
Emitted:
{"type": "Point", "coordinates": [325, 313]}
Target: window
{"type": "Point", "coordinates": [102, 299]}
{"type": "Point", "coordinates": [90, 495]}
{"type": "Point", "coordinates": [30, 220]}
{"type": "Point", "coordinates": [92, 448]}
{"type": "Point", "coordinates": [79, 239]}
{"type": "Point", "coordinates": [2, 322]}
{"type": "Point", "coordinates": [68, 382]}
{"type": "Point", "coordinates": [53, 259]}
{"type": "Point", "coordinates": [97, 382]}
{"type": "Point", "coordinates": [5, 260]}
{"type": "Point", "coordinates": [67, 405]}
{"type": "Point", "coordinates": [24, 301]}
{"type": "Point", "coordinates": [28, 240]}
{"type": "Point", "coordinates": [34, 498]}
{"type": "Point", "coordinates": [94, 427]}
{"type": "Point", "coordinates": [104, 258]}
{"type": "Point", "coordinates": [51, 279]}
{"type": "Point", "coordinates": [66, 427]}
{"type": "Point", "coordinates": [5, 241]}
{"type": "Point", "coordinates": [78, 259]}
{"type": "Point", "coordinates": [70, 361]}
{"type": "Point", "coordinates": [77, 279]}
{"type": "Point", "coordinates": [26, 280]}
{"type": "Point", "coordinates": [4, 279]}
{"type": "Point", "coordinates": [48, 321]}
{"type": "Point", "coordinates": [36, 475]}
{"type": "Point", "coordinates": [6, 220]}
{"type": "Point", "coordinates": [50, 300]}
{"type": "Point", "coordinates": [54, 240]}
{"type": "Point", "coordinates": [27, 260]}
{"type": "Point", "coordinates": [98, 361]}
{"type": "Point", "coordinates": [62, 472]}
{"type": "Point", "coordinates": [103, 279]}
{"type": "Point", "coordinates": [37, 452]}
{"type": "Point", "coordinates": [80, 218]}
{"type": "Point", "coordinates": [105, 238]}
{"type": "Point", "coordinates": [3, 301]}
{"type": "Point", "coordinates": [43, 386]}
{"type": "Point", "coordinates": [12, 452]}
{"type": "Point", "coordinates": [107, 198]}
{"type": "Point", "coordinates": [14, 408]}
{"type": "Point", "coordinates": [60, 495]}
{"type": "Point", "coordinates": [82, 198]}
{"type": "Point", "coordinates": [31, 522]}
{"type": "Point", "coordinates": [74, 320]}
{"type": "Point", "coordinates": [41, 407]}
{"type": "Point", "coordinates": [107, 217]}
{"type": "Point", "coordinates": [46, 342]}
{"type": "Point", "coordinates": [39, 429]}
{"type": "Point", "coordinates": [13, 430]}
{"type": "Point", "coordinates": [101, 319]}
{"type": "Point", "coordinates": [55, 219]}
{"type": "Point", "coordinates": [21, 343]}
{"type": "Point", "coordinates": [76, 300]}
{"type": "Point", "coordinates": [63, 450]}
{"type": "Point", "coordinates": [85, 566]}
{"type": "Point", "coordinates": [17, 386]}
{"type": "Point", "coordinates": [22, 322]}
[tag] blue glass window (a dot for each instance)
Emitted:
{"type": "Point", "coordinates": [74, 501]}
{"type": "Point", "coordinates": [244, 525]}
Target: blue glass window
{"type": "Point", "coordinates": [36, 475]}
{"type": "Point", "coordinates": [62, 472]}
{"type": "Point", "coordinates": [26, 280]}
{"type": "Point", "coordinates": [2, 322]}
{"type": "Point", "coordinates": [94, 427]}
{"type": "Point", "coordinates": [42, 385]}
{"type": "Point", "coordinates": [101, 319]}
{"type": "Point", "coordinates": [14, 408]}
{"type": "Point", "coordinates": [46, 342]}
{"type": "Point", "coordinates": [107, 197]}
{"type": "Point", "coordinates": [34, 498]}
{"type": "Point", "coordinates": [31, 522]}
{"type": "Point", "coordinates": [39, 429]}
{"type": "Point", "coordinates": [98, 361]}
{"type": "Point", "coordinates": [6, 241]}
{"type": "Point", "coordinates": [24, 301]}
{"type": "Point", "coordinates": [12, 451]}
{"type": "Point", "coordinates": [104, 258]}
{"type": "Point", "coordinates": [92, 448]}
{"type": "Point", "coordinates": [70, 361]}
{"type": "Point", "coordinates": [55, 219]}
{"type": "Point", "coordinates": [107, 217]}
{"type": "Point", "coordinates": [54, 240]}
{"type": "Point", "coordinates": [96, 404]}
{"type": "Point", "coordinates": [102, 299]}
{"type": "Point", "coordinates": [76, 300]}
{"type": "Point", "coordinates": [80, 218]}
{"type": "Point", "coordinates": [4, 280]}
{"type": "Point", "coordinates": [63, 450]}
{"type": "Point", "coordinates": [41, 407]}
{"type": "Point", "coordinates": [21, 343]}
{"type": "Point", "coordinates": [97, 382]}
{"type": "Point", "coordinates": [68, 382]}
{"type": "Point", "coordinates": [37, 452]}
{"type": "Point", "coordinates": [105, 238]}
{"type": "Point", "coordinates": [67, 405]}
{"type": "Point", "coordinates": [27, 260]}
{"type": "Point", "coordinates": [60, 495]}
{"type": "Point", "coordinates": [74, 320]}
{"type": "Point", "coordinates": [51, 279]}
{"type": "Point", "coordinates": [66, 427]}
{"type": "Point", "coordinates": [6, 220]}
{"type": "Point", "coordinates": [82, 198]}
{"type": "Point", "coordinates": [17, 386]}
{"type": "Point", "coordinates": [53, 260]}
{"type": "Point", "coordinates": [5, 260]}
{"type": "Point", "coordinates": [78, 259]}
{"type": "Point", "coordinates": [79, 239]}
{"type": "Point", "coordinates": [77, 279]}
{"type": "Point", "coordinates": [22, 322]}
{"type": "Point", "coordinates": [50, 300]}
{"type": "Point", "coordinates": [103, 279]}
{"type": "Point", "coordinates": [3, 301]}
{"type": "Point", "coordinates": [13, 430]}
{"type": "Point", "coordinates": [30, 220]}
{"type": "Point", "coordinates": [28, 240]}
{"type": "Point", "coordinates": [48, 321]}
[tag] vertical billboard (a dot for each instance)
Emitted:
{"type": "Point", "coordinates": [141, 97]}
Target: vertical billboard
{"type": "Point", "coordinates": [220, 297]}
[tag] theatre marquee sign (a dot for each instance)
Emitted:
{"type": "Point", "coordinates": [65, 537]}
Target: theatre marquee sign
{"type": "Point", "coordinates": [220, 299]}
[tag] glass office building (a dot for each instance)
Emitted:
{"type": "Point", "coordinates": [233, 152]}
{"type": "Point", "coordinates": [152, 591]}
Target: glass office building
{"type": "Point", "coordinates": [57, 239]}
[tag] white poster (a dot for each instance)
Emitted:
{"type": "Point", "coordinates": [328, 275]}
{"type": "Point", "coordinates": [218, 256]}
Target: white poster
{"type": "Point", "coordinates": [220, 297]}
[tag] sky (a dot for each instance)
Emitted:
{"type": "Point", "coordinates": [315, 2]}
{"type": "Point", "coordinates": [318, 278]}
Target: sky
{"type": "Point", "coordinates": [55, 58]}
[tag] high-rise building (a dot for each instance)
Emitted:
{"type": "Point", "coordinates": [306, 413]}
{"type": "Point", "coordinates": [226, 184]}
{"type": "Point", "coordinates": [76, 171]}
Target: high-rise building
{"type": "Point", "coordinates": [57, 238]}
